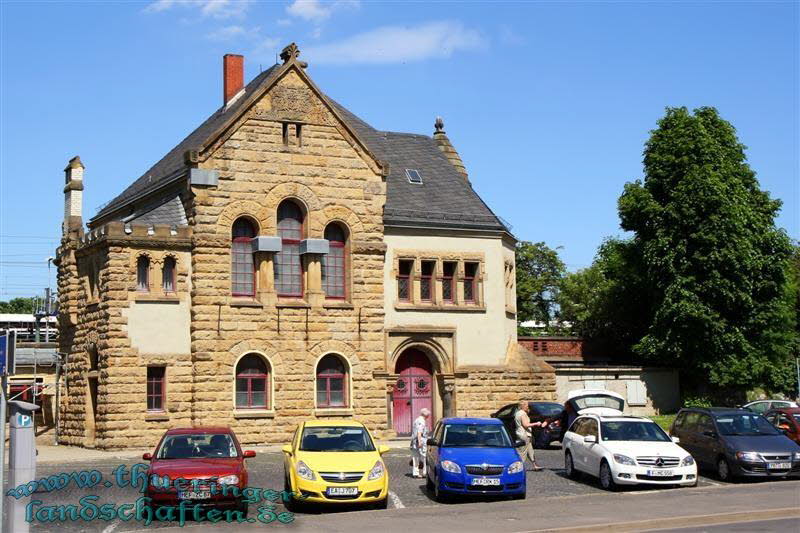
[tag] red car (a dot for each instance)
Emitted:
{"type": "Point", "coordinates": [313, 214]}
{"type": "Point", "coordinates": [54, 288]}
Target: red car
{"type": "Point", "coordinates": [210, 461]}
{"type": "Point", "coordinates": [786, 419]}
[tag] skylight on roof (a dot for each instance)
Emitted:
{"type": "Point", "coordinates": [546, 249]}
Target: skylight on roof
{"type": "Point", "coordinates": [413, 176]}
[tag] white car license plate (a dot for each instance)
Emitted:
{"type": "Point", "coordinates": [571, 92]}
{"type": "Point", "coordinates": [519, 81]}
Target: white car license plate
{"type": "Point", "coordinates": [192, 495]}
{"type": "Point", "coordinates": [485, 481]}
{"type": "Point", "coordinates": [342, 491]}
{"type": "Point", "coordinates": [779, 466]}
{"type": "Point", "coordinates": [659, 473]}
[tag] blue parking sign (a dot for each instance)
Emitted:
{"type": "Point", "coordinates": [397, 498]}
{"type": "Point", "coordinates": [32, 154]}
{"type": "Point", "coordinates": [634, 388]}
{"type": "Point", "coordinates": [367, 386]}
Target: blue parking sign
{"type": "Point", "coordinates": [8, 343]}
{"type": "Point", "coordinates": [3, 352]}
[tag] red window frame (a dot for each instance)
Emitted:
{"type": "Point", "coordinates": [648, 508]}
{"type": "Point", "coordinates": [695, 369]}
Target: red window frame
{"type": "Point", "coordinates": [242, 263]}
{"type": "Point", "coordinates": [143, 274]}
{"type": "Point", "coordinates": [404, 277]}
{"type": "Point", "coordinates": [288, 262]}
{"type": "Point", "coordinates": [426, 287]}
{"type": "Point", "coordinates": [448, 281]}
{"type": "Point", "coordinates": [156, 388]}
{"type": "Point", "coordinates": [334, 264]}
{"type": "Point", "coordinates": [470, 277]}
{"type": "Point", "coordinates": [173, 265]}
{"type": "Point", "coordinates": [251, 375]}
{"type": "Point", "coordinates": [29, 392]}
{"type": "Point", "coordinates": [325, 376]}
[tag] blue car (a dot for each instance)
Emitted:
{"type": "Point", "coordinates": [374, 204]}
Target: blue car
{"type": "Point", "coordinates": [473, 456]}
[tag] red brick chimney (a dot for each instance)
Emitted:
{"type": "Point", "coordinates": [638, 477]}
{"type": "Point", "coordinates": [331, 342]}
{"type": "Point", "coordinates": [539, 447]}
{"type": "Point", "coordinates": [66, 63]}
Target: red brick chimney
{"type": "Point", "coordinates": [232, 76]}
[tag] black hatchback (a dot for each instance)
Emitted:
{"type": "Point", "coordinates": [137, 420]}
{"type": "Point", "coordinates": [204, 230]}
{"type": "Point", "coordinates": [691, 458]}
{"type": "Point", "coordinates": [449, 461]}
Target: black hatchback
{"type": "Point", "coordinates": [735, 442]}
{"type": "Point", "coordinates": [538, 412]}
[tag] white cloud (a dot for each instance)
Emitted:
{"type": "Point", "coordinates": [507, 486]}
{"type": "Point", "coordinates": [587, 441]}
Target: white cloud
{"type": "Point", "coordinates": [230, 33]}
{"type": "Point", "coordinates": [218, 9]}
{"type": "Point", "coordinates": [399, 44]}
{"type": "Point", "coordinates": [284, 22]}
{"type": "Point", "coordinates": [317, 11]}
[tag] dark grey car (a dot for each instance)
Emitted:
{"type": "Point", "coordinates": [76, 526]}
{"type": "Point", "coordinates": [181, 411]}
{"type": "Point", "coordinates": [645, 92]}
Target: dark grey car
{"type": "Point", "coordinates": [736, 442]}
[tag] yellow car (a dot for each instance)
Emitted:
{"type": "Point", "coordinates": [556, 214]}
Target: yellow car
{"type": "Point", "coordinates": [335, 462]}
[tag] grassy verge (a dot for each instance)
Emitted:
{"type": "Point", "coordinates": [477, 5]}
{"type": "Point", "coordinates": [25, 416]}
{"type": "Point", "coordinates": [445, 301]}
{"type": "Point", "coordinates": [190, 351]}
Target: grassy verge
{"type": "Point", "coordinates": [665, 421]}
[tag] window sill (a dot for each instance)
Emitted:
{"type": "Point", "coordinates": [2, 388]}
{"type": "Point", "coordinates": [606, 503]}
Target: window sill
{"type": "Point", "coordinates": [155, 416]}
{"type": "Point", "coordinates": [333, 411]}
{"type": "Point", "coordinates": [337, 304]}
{"type": "Point", "coordinates": [253, 413]}
{"type": "Point", "coordinates": [244, 302]}
{"type": "Point", "coordinates": [292, 303]}
{"type": "Point", "coordinates": [163, 298]}
{"type": "Point", "coordinates": [441, 308]}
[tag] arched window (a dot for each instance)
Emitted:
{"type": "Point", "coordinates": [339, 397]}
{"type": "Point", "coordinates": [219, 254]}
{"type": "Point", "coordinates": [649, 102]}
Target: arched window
{"type": "Point", "coordinates": [331, 382]}
{"type": "Point", "coordinates": [252, 382]}
{"type": "Point", "coordinates": [243, 278]}
{"type": "Point", "coordinates": [143, 273]}
{"type": "Point", "coordinates": [288, 264]}
{"type": "Point", "coordinates": [168, 274]}
{"type": "Point", "coordinates": [334, 264]}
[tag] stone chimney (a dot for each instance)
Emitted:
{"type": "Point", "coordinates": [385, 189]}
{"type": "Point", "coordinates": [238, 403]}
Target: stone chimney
{"type": "Point", "coordinates": [232, 76]}
{"type": "Point", "coordinates": [73, 195]}
{"type": "Point", "coordinates": [444, 145]}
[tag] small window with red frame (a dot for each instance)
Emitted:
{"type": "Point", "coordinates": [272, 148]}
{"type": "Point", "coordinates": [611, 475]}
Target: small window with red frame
{"type": "Point", "coordinates": [156, 388]}
{"type": "Point", "coordinates": [404, 268]}
{"type": "Point", "coordinates": [426, 281]}
{"type": "Point", "coordinates": [470, 281]}
{"type": "Point", "coordinates": [449, 281]}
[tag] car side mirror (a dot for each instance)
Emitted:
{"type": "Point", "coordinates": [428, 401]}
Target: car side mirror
{"type": "Point", "coordinates": [431, 442]}
{"type": "Point", "coordinates": [518, 443]}
{"type": "Point", "coordinates": [287, 449]}
{"type": "Point", "coordinates": [676, 440]}
{"type": "Point", "coordinates": [710, 434]}
{"type": "Point", "coordinates": [382, 449]}
{"type": "Point", "coordinates": [248, 454]}
{"type": "Point", "coordinates": [147, 456]}
{"type": "Point", "coordinates": [590, 439]}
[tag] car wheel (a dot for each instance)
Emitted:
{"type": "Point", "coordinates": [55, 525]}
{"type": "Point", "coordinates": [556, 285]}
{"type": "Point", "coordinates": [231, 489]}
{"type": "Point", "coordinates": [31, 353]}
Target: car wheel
{"type": "Point", "coordinates": [428, 483]}
{"type": "Point", "coordinates": [289, 502]}
{"type": "Point", "coordinates": [382, 504]}
{"type": "Point", "coordinates": [438, 494]}
{"type": "Point", "coordinates": [607, 477]}
{"type": "Point", "coordinates": [724, 470]}
{"type": "Point", "coordinates": [569, 467]}
{"type": "Point", "coordinates": [242, 506]}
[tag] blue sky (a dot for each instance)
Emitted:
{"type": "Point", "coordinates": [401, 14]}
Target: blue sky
{"type": "Point", "coordinates": [548, 103]}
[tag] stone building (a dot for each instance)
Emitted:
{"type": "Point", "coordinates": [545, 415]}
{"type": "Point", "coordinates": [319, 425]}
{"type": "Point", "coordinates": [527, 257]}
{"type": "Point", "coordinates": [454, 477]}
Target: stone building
{"type": "Point", "coordinates": [287, 261]}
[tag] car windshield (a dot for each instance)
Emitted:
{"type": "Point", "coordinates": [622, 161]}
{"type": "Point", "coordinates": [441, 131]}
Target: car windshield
{"type": "Point", "coordinates": [197, 446]}
{"type": "Point", "coordinates": [633, 430]}
{"type": "Point", "coordinates": [740, 424]}
{"type": "Point", "coordinates": [476, 435]}
{"type": "Point", "coordinates": [609, 402]}
{"type": "Point", "coordinates": [336, 439]}
{"type": "Point", "coordinates": [796, 417]}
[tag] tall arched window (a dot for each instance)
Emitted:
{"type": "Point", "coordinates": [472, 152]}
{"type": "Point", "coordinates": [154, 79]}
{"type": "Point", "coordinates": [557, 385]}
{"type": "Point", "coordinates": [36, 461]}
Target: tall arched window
{"type": "Point", "coordinates": [252, 382]}
{"type": "Point", "coordinates": [334, 264]}
{"type": "Point", "coordinates": [168, 274]}
{"type": "Point", "coordinates": [243, 279]}
{"type": "Point", "coordinates": [288, 264]}
{"type": "Point", "coordinates": [331, 382]}
{"type": "Point", "coordinates": [143, 273]}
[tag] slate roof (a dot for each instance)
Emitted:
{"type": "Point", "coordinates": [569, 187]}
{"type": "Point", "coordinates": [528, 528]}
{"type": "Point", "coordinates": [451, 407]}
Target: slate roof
{"type": "Point", "coordinates": [445, 199]}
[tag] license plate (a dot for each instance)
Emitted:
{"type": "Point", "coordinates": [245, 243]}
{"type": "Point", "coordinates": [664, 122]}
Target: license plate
{"type": "Point", "coordinates": [191, 495]}
{"type": "Point", "coordinates": [659, 473]}
{"type": "Point", "coordinates": [779, 466]}
{"type": "Point", "coordinates": [342, 491]}
{"type": "Point", "coordinates": [485, 481]}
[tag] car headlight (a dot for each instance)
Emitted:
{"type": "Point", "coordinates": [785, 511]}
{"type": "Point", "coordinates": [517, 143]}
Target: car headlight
{"type": "Point", "coordinates": [229, 480]}
{"type": "Point", "coordinates": [797, 456]}
{"type": "Point", "coordinates": [751, 457]}
{"type": "Point", "coordinates": [450, 466]}
{"type": "Point", "coordinates": [687, 461]}
{"type": "Point", "coordinates": [376, 472]}
{"type": "Point", "coordinates": [624, 459]}
{"type": "Point", "coordinates": [304, 471]}
{"type": "Point", "coordinates": [515, 467]}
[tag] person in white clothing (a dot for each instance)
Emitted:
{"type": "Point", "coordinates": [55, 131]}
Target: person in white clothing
{"type": "Point", "coordinates": [419, 443]}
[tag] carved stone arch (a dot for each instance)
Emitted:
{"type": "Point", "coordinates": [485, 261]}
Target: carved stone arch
{"type": "Point", "coordinates": [336, 213]}
{"type": "Point", "coordinates": [336, 347]}
{"type": "Point", "coordinates": [258, 213]}
{"type": "Point", "coordinates": [290, 191]}
{"type": "Point", "coordinates": [135, 255]}
{"type": "Point", "coordinates": [262, 348]}
{"type": "Point", "coordinates": [440, 361]}
{"type": "Point", "coordinates": [174, 257]}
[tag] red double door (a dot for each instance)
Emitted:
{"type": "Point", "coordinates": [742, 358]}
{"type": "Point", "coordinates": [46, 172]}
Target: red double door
{"type": "Point", "coordinates": [412, 391]}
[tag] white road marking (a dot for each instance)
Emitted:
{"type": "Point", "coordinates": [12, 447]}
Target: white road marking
{"type": "Point", "coordinates": [111, 527]}
{"type": "Point", "coordinates": [396, 501]}
{"type": "Point", "coordinates": [711, 482]}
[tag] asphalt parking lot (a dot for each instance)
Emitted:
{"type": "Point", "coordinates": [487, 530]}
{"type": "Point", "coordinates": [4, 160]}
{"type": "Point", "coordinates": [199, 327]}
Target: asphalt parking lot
{"type": "Point", "coordinates": [266, 472]}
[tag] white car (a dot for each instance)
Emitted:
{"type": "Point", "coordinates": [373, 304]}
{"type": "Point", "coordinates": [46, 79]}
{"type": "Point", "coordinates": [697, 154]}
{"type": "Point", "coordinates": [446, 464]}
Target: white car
{"type": "Point", "coordinates": [762, 406]}
{"type": "Point", "coordinates": [625, 450]}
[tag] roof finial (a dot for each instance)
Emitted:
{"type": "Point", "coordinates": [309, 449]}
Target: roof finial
{"type": "Point", "coordinates": [439, 124]}
{"type": "Point", "coordinates": [291, 52]}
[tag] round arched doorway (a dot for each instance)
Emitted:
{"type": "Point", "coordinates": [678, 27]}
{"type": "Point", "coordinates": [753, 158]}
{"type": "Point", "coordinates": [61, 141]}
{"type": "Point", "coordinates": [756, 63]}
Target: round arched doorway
{"type": "Point", "coordinates": [413, 390]}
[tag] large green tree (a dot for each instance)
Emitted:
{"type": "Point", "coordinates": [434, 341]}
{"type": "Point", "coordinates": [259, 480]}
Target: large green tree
{"type": "Point", "coordinates": [539, 274]}
{"type": "Point", "coordinates": [714, 262]}
{"type": "Point", "coordinates": [17, 305]}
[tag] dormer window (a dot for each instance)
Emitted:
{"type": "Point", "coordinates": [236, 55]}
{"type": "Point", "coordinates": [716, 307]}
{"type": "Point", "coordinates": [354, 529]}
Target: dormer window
{"type": "Point", "coordinates": [414, 176]}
